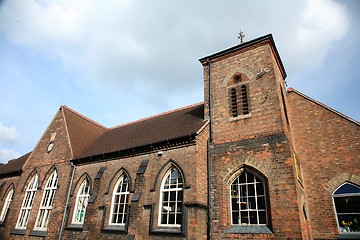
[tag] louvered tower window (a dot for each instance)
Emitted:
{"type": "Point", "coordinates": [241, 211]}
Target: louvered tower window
{"type": "Point", "coordinates": [238, 92]}
{"type": "Point", "coordinates": [233, 98]}
{"type": "Point", "coordinates": [244, 100]}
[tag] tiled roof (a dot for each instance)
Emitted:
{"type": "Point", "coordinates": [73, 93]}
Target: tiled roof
{"type": "Point", "coordinates": [170, 125]}
{"type": "Point", "coordinates": [14, 165]}
{"type": "Point", "coordinates": [82, 131]}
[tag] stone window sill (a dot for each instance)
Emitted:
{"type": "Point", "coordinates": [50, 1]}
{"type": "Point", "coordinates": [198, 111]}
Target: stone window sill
{"type": "Point", "coordinates": [350, 235]}
{"type": "Point", "coordinates": [115, 228]}
{"type": "Point", "coordinates": [18, 231]}
{"type": "Point", "coordinates": [75, 227]}
{"type": "Point", "coordinates": [249, 229]}
{"type": "Point", "coordinates": [37, 233]}
{"type": "Point", "coordinates": [240, 117]}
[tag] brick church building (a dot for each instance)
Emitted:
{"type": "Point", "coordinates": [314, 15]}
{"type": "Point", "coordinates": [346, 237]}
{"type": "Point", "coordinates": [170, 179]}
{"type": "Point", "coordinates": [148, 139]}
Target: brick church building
{"type": "Point", "coordinates": [253, 161]}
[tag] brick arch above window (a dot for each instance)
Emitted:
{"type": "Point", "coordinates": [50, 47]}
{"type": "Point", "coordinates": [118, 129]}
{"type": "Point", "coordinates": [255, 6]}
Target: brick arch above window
{"type": "Point", "coordinates": [237, 78]}
{"type": "Point", "coordinates": [47, 174]}
{"type": "Point", "coordinates": [161, 173]}
{"type": "Point", "coordinates": [229, 171]}
{"type": "Point", "coordinates": [11, 186]}
{"type": "Point", "coordinates": [245, 168]}
{"type": "Point", "coordinates": [245, 74]}
{"type": "Point", "coordinates": [29, 177]}
{"type": "Point", "coordinates": [79, 181]}
{"type": "Point", "coordinates": [340, 179]}
{"type": "Point", "coordinates": [115, 178]}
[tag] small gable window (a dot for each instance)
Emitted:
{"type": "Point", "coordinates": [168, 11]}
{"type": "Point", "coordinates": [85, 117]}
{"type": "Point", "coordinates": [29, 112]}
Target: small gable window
{"type": "Point", "coordinates": [248, 200]}
{"type": "Point", "coordinates": [171, 199]}
{"type": "Point", "coordinates": [347, 206]}
{"type": "Point", "coordinates": [82, 198]}
{"type": "Point", "coordinates": [6, 204]}
{"type": "Point", "coordinates": [238, 91]}
{"type": "Point", "coordinates": [119, 203]}
{"type": "Point", "coordinates": [47, 202]}
{"type": "Point", "coordinates": [27, 203]}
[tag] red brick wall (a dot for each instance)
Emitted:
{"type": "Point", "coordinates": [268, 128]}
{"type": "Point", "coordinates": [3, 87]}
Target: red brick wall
{"type": "Point", "coordinates": [43, 162]}
{"type": "Point", "coordinates": [185, 157]}
{"type": "Point", "coordinates": [328, 146]}
{"type": "Point", "coordinates": [263, 97]}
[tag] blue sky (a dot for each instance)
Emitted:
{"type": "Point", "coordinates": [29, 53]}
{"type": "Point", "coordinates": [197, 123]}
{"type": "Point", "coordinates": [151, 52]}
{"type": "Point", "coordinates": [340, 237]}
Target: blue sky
{"type": "Point", "coordinates": [118, 61]}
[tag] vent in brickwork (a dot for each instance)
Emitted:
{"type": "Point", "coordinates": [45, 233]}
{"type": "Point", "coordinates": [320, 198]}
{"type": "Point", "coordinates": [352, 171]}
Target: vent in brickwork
{"type": "Point", "coordinates": [244, 100]}
{"type": "Point", "coordinates": [233, 100]}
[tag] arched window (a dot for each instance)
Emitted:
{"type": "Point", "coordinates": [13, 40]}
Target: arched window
{"type": "Point", "coordinates": [6, 204]}
{"type": "Point", "coordinates": [27, 203]}
{"type": "Point", "coordinates": [347, 206]}
{"type": "Point", "coordinates": [82, 198]}
{"type": "Point", "coordinates": [248, 200]}
{"type": "Point", "coordinates": [119, 203]}
{"type": "Point", "coordinates": [171, 199]}
{"type": "Point", "coordinates": [47, 202]}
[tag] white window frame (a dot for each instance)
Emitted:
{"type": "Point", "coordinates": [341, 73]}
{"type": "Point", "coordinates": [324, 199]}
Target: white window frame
{"type": "Point", "coordinates": [123, 197]}
{"type": "Point", "coordinates": [82, 198]}
{"type": "Point", "coordinates": [343, 229]}
{"type": "Point", "coordinates": [47, 201]}
{"type": "Point", "coordinates": [178, 187]}
{"type": "Point", "coordinates": [235, 193]}
{"type": "Point", "coordinates": [28, 201]}
{"type": "Point", "coordinates": [6, 204]}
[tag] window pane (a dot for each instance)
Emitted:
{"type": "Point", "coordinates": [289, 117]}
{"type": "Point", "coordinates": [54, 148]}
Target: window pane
{"type": "Point", "coordinates": [262, 217]}
{"type": "Point", "coordinates": [251, 190]}
{"type": "Point", "coordinates": [253, 217]}
{"type": "Point", "coordinates": [242, 178]}
{"type": "Point", "coordinates": [260, 189]}
{"type": "Point", "coordinates": [347, 204]}
{"type": "Point", "coordinates": [235, 217]}
{"type": "Point", "coordinates": [261, 203]}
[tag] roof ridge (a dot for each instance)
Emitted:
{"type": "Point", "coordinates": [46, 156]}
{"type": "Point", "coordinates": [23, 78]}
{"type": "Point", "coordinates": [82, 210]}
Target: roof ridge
{"type": "Point", "coordinates": [83, 116]}
{"type": "Point", "coordinates": [323, 105]}
{"type": "Point", "coordinates": [157, 115]}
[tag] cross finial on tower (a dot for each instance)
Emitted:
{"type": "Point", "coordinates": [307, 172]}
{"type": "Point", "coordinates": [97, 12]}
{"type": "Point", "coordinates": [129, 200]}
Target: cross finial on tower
{"type": "Point", "coordinates": [241, 36]}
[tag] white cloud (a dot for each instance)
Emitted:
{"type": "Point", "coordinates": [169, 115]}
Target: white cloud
{"type": "Point", "coordinates": [8, 134]}
{"type": "Point", "coordinates": [323, 22]}
{"type": "Point", "coordinates": [7, 154]}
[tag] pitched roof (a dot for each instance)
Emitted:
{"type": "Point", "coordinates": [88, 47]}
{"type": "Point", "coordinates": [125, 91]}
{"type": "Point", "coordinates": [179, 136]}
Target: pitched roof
{"type": "Point", "coordinates": [82, 131]}
{"type": "Point", "coordinates": [170, 125]}
{"type": "Point", "coordinates": [291, 90]}
{"type": "Point", "coordinates": [14, 165]}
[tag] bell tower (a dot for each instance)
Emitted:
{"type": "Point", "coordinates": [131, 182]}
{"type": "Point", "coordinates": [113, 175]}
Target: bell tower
{"type": "Point", "coordinates": [252, 184]}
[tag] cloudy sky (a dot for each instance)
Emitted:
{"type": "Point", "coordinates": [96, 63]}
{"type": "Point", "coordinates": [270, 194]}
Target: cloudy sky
{"type": "Point", "coordinates": [116, 61]}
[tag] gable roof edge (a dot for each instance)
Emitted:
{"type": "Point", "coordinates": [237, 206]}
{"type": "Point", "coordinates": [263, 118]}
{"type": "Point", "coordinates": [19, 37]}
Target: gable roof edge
{"type": "Point", "coordinates": [292, 90]}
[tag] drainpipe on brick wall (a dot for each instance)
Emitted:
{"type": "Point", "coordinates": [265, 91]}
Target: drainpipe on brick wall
{"type": "Point", "coordinates": [208, 152]}
{"type": "Point", "coordinates": [67, 199]}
